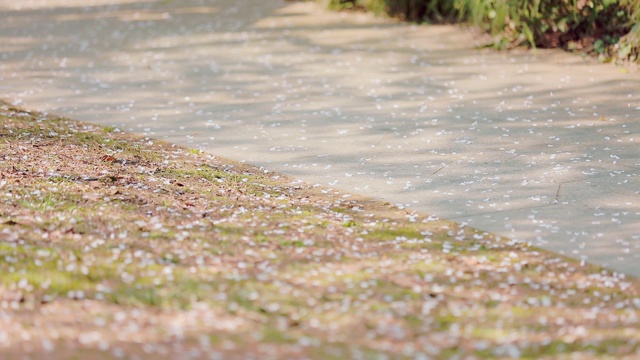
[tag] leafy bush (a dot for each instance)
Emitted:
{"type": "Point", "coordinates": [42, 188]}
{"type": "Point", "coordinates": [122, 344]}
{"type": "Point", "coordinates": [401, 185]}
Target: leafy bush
{"type": "Point", "coordinates": [591, 25]}
{"type": "Point", "coordinates": [410, 10]}
{"type": "Point", "coordinates": [629, 45]}
{"type": "Point", "coordinates": [607, 28]}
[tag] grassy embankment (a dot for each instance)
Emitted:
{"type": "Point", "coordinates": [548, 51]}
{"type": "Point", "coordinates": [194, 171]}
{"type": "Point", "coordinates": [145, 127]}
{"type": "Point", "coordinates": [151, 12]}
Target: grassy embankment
{"type": "Point", "coordinates": [113, 244]}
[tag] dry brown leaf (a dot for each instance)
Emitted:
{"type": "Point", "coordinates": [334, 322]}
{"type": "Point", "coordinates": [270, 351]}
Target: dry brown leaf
{"type": "Point", "coordinates": [108, 158]}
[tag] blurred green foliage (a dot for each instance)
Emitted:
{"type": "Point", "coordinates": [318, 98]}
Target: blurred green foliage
{"type": "Point", "coordinates": [609, 29]}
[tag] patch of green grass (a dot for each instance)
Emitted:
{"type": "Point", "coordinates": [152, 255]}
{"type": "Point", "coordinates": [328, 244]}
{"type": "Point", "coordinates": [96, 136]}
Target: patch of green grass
{"type": "Point", "coordinates": [49, 201]}
{"type": "Point", "coordinates": [340, 210]}
{"type": "Point", "coordinates": [444, 321]}
{"type": "Point", "coordinates": [483, 332]}
{"type": "Point", "coordinates": [230, 230]}
{"type": "Point", "coordinates": [274, 336]}
{"type": "Point", "coordinates": [349, 224]}
{"type": "Point", "coordinates": [136, 150]}
{"type": "Point", "coordinates": [108, 129]}
{"type": "Point", "coordinates": [595, 348]}
{"type": "Point", "coordinates": [423, 268]}
{"type": "Point", "coordinates": [207, 173]}
{"type": "Point", "coordinates": [392, 234]}
{"type": "Point", "coordinates": [88, 138]}
{"type": "Point", "coordinates": [386, 289]}
{"type": "Point", "coordinates": [56, 274]}
{"type": "Point", "coordinates": [47, 276]}
{"type": "Point", "coordinates": [296, 243]}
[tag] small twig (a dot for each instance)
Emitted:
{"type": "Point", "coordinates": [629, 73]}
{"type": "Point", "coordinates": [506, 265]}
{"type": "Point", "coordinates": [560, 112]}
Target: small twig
{"type": "Point", "coordinates": [558, 193]}
{"type": "Point", "coordinates": [443, 166]}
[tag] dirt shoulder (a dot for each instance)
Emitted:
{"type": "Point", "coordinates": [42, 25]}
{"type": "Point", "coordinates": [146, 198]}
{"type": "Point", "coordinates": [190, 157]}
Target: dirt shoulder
{"type": "Point", "coordinates": [115, 245]}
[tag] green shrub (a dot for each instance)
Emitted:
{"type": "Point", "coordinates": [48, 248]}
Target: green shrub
{"type": "Point", "coordinates": [590, 24]}
{"type": "Point", "coordinates": [607, 28]}
{"type": "Point", "coordinates": [629, 45]}
{"type": "Point", "coordinates": [410, 10]}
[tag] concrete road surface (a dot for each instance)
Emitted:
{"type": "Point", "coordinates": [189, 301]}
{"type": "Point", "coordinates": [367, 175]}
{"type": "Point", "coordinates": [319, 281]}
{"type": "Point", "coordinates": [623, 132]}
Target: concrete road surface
{"type": "Point", "coordinates": [539, 147]}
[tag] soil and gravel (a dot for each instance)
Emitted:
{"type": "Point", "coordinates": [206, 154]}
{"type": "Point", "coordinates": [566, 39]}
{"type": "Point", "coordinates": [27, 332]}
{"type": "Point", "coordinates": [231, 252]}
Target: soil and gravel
{"type": "Point", "coordinates": [119, 246]}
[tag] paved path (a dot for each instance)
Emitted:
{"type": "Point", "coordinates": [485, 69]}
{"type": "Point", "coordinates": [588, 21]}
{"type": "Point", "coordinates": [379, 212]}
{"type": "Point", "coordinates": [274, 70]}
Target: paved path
{"type": "Point", "coordinates": [540, 148]}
